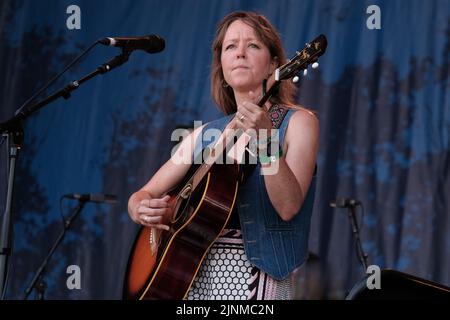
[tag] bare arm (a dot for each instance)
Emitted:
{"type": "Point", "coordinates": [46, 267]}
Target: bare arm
{"type": "Point", "coordinates": [149, 206]}
{"type": "Point", "coordinates": [288, 187]}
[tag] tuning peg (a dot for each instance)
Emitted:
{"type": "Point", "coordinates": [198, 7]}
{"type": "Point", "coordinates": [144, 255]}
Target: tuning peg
{"type": "Point", "coordinates": [305, 72]}
{"type": "Point", "coordinates": [295, 79]}
{"type": "Point", "coordinates": [315, 65]}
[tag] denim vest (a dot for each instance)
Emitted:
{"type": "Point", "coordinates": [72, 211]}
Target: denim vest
{"type": "Point", "coordinates": [275, 246]}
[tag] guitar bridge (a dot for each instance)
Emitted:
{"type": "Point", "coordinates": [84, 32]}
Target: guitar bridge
{"type": "Point", "coordinates": [155, 241]}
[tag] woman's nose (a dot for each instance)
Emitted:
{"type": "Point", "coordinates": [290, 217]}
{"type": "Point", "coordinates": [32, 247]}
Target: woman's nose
{"type": "Point", "coordinates": [240, 51]}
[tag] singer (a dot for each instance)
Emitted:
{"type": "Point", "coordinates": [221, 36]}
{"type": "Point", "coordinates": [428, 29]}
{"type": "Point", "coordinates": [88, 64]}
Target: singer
{"type": "Point", "coordinates": [265, 237]}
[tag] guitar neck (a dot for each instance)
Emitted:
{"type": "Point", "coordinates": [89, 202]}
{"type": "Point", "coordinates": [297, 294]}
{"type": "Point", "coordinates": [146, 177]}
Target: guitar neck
{"type": "Point", "coordinates": [272, 84]}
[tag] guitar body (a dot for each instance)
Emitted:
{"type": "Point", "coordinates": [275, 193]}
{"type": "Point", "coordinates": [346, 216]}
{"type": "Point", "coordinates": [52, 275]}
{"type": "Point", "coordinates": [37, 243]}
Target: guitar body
{"type": "Point", "coordinates": [168, 271]}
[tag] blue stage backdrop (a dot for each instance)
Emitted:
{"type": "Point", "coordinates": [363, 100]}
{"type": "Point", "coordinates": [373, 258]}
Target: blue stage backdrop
{"type": "Point", "coordinates": [382, 97]}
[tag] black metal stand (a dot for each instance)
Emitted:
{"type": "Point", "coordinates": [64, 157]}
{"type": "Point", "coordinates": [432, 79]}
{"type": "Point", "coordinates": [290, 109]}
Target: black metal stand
{"type": "Point", "coordinates": [14, 141]}
{"type": "Point", "coordinates": [13, 131]}
{"type": "Point", "coordinates": [359, 250]}
{"type": "Point", "coordinates": [66, 91]}
{"type": "Point", "coordinates": [38, 280]}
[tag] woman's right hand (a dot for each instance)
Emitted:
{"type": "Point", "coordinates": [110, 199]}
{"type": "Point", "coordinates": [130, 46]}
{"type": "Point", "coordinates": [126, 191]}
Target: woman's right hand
{"type": "Point", "coordinates": [152, 212]}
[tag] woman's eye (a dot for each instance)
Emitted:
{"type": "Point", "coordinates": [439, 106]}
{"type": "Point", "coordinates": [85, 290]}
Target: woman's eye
{"type": "Point", "coordinates": [253, 45]}
{"type": "Point", "coordinates": [230, 46]}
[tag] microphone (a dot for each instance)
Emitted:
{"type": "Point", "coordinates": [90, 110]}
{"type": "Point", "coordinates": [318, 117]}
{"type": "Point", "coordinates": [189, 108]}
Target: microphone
{"type": "Point", "coordinates": [345, 203]}
{"type": "Point", "coordinates": [151, 43]}
{"type": "Point", "coordinates": [93, 197]}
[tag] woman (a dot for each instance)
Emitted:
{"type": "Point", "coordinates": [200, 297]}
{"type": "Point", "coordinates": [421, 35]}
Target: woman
{"type": "Point", "coordinates": [266, 237]}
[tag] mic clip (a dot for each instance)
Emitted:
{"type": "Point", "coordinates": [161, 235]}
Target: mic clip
{"type": "Point", "coordinates": [116, 61]}
{"type": "Point", "coordinates": [345, 203]}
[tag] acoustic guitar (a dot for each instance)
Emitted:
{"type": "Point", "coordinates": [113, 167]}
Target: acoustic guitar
{"type": "Point", "coordinates": [163, 264]}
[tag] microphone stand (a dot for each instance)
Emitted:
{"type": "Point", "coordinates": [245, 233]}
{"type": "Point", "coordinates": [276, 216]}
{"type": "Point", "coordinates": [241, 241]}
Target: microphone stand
{"type": "Point", "coordinates": [39, 275]}
{"type": "Point", "coordinates": [12, 130]}
{"type": "Point", "coordinates": [353, 221]}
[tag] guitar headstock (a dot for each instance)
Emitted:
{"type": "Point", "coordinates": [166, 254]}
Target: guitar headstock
{"type": "Point", "coordinates": [302, 59]}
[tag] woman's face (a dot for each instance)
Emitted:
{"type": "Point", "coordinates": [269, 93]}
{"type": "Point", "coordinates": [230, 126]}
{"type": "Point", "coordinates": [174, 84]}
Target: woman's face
{"type": "Point", "coordinates": [246, 61]}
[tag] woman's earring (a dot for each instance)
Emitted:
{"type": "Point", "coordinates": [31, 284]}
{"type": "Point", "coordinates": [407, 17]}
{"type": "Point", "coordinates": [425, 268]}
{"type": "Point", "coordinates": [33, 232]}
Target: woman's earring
{"type": "Point", "coordinates": [224, 84]}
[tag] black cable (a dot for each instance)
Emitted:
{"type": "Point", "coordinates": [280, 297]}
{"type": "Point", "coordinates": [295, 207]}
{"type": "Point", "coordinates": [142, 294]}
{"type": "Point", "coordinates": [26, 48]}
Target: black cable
{"type": "Point", "coordinates": [362, 217]}
{"type": "Point", "coordinates": [360, 226]}
{"type": "Point", "coordinates": [61, 210]}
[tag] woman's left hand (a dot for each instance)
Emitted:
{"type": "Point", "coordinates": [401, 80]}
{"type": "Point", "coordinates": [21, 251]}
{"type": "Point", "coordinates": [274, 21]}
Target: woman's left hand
{"type": "Point", "coordinates": [250, 116]}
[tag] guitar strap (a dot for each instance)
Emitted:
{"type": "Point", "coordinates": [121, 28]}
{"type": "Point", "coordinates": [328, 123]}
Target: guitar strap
{"type": "Point", "coordinates": [277, 114]}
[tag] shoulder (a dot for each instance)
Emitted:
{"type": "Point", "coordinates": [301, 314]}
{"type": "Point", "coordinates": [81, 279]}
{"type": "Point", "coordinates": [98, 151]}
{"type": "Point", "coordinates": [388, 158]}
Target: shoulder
{"type": "Point", "coordinates": [302, 133]}
{"type": "Point", "coordinates": [302, 120]}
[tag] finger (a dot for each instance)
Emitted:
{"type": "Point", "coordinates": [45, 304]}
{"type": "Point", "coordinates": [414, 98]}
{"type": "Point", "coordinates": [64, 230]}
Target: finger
{"type": "Point", "coordinates": [239, 124]}
{"type": "Point", "coordinates": [152, 211]}
{"type": "Point", "coordinates": [155, 202]}
{"type": "Point", "coordinates": [239, 117]}
{"type": "Point", "coordinates": [250, 117]}
{"type": "Point", "coordinates": [158, 203]}
{"type": "Point", "coordinates": [157, 226]}
{"type": "Point", "coordinates": [252, 97]}
{"type": "Point", "coordinates": [162, 227]}
{"type": "Point", "coordinates": [151, 219]}
{"type": "Point", "coordinates": [144, 223]}
{"type": "Point", "coordinates": [244, 110]}
{"type": "Point", "coordinates": [145, 202]}
{"type": "Point", "coordinates": [250, 108]}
